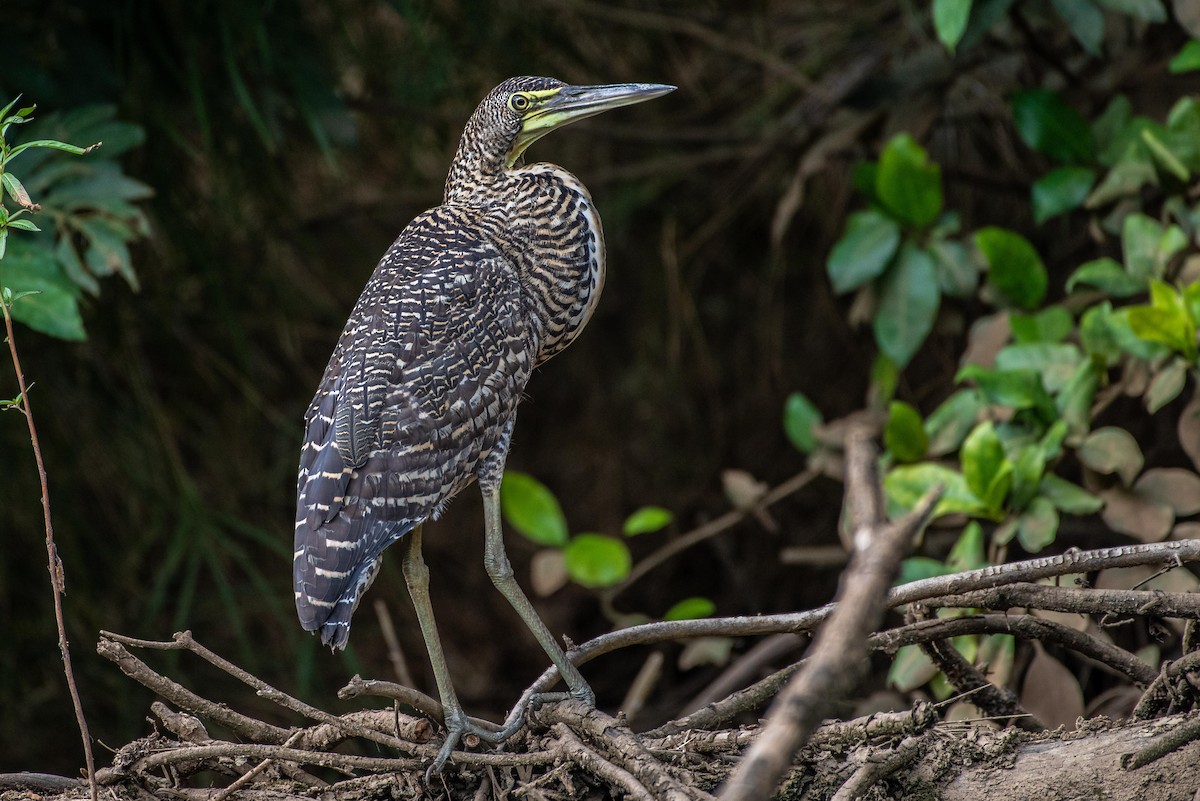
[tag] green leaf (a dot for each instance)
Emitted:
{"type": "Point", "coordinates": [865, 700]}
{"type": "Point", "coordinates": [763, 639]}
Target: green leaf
{"type": "Point", "coordinates": [968, 552]}
{"type": "Point", "coordinates": [595, 560]}
{"type": "Point", "coordinates": [1028, 468]}
{"type": "Point", "coordinates": [987, 471]}
{"type": "Point", "coordinates": [1112, 450]}
{"type": "Point", "coordinates": [1014, 268]}
{"type": "Point", "coordinates": [950, 422]}
{"type": "Point", "coordinates": [1097, 334]}
{"type": "Point", "coordinates": [884, 378]}
{"type": "Point", "coordinates": [1038, 527]}
{"type": "Point", "coordinates": [908, 304]}
{"type": "Point", "coordinates": [1132, 170]}
{"type": "Point", "coordinates": [1147, 10]}
{"type": "Point", "coordinates": [531, 508]}
{"type": "Point", "coordinates": [1108, 276]}
{"type": "Point", "coordinates": [691, 609]}
{"type": "Point", "coordinates": [1018, 389]}
{"type": "Point", "coordinates": [905, 434]}
{"type": "Point", "coordinates": [800, 417]}
{"type": "Point", "coordinates": [647, 520]}
{"type": "Point", "coordinates": [957, 270]}
{"type": "Point", "coordinates": [950, 20]}
{"type": "Point", "coordinates": [1068, 497]}
{"type": "Point", "coordinates": [1060, 191]}
{"type": "Point", "coordinates": [1166, 385]}
{"type": "Point", "coordinates": [1049, 325]}
{"type": "Point", "coordinates": [23, 225]}
{"type": "Point", "coordinates": [1163, 155]}
{"type": "Point", "coordinates": [29, 266]}
{"type": "Point", "coordinates": [1085, 21]}
{"type": "Point", "coordinates": [1166, 320]}
{"type": "Point", "coordinates": [1148, 245]}
{"type": "Point", "coordinates": [910, 669]}
{"type": "Point", "coordinates": [16, 190]}
{"type": "Point", "coordinates": [51, 144]}
{"type": "Point", "coordinates": [1050, 126]}
{"type": "Point", "coordinates": [906, 484]}
{"type": "Point", "coordinates": [917, 568]}
{"type": "Point", "coordinates": [1074, 401]}
{"type": "Point", "coordinates": [1109, 128]}
{"type": "Point", "coordinates": [1187, 59]}
{"type": "Point", "coordinates": [907, 183]}
{"type": "Point", "coordinates": [864, 251]}
{"type": "Point", "coordinates": [1055, 361]}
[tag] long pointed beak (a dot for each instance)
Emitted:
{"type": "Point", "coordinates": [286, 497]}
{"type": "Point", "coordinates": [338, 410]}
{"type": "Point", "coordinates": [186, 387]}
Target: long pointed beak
{"type": "Point", "coordinates": [571, 103]}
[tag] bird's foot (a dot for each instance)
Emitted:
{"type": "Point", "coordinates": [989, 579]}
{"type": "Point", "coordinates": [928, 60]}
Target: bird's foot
{"type": "Point", "coordinates": [458, 725]}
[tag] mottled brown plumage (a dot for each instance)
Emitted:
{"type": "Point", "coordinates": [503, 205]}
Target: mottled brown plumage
{"type": "Point", "coordinates": [420, 395]}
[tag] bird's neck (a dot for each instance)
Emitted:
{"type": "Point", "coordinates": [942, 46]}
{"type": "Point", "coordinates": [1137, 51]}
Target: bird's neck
{"type": "Point", "coordinates": [543, 219]}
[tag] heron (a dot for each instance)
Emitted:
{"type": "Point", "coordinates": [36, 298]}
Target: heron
{"type": "Point", "coordinates": [420, 394]}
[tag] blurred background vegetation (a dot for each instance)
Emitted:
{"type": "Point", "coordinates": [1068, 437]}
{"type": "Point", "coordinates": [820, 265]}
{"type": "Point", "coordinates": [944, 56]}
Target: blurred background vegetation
{"type": "Point", "coordinates": [276, 149]}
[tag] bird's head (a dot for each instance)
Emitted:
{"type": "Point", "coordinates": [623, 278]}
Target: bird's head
{"type": "Point", "coordinates": [520, 111]}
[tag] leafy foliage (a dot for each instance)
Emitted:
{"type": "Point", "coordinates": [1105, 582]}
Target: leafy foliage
{"type": "Point", "coordinates": [87, 207]}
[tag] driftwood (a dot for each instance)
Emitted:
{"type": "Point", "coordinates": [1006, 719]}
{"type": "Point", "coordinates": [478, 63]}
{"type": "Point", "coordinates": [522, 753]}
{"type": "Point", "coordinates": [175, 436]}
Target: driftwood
{"type": "Point", "coordinates": [568, 751]}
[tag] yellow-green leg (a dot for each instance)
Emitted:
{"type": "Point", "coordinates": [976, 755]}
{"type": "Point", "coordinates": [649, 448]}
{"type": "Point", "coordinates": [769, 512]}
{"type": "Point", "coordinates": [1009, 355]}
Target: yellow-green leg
{"type": "Point", "coordinates": [500, 570]}
{"type": "Point", "coordinates": [416, 575]}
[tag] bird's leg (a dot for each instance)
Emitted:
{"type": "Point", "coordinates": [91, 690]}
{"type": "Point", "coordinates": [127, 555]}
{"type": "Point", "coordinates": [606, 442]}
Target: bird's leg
{"type": "Point", "coordinates": [501, 572]}
{"type": "Point", "coordinates": [416, 575]}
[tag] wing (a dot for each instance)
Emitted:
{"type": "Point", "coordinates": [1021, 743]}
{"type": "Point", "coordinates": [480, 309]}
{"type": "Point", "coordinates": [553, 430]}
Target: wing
{"type": "Point", "coordinates": [420, 388]}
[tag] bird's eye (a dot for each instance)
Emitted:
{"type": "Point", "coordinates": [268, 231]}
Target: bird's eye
{"type": "Point", "coordinates": [519, 102]}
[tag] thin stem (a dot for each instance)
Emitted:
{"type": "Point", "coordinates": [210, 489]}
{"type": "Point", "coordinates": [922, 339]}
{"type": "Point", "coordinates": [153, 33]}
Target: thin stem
{"type": "Point", "coordinates": [57, 576]}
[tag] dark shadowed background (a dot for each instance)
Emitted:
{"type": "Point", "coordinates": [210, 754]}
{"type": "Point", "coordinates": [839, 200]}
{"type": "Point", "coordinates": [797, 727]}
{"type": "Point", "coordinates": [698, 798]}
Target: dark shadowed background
{"type": "Point", "coordinates": [288, 144]}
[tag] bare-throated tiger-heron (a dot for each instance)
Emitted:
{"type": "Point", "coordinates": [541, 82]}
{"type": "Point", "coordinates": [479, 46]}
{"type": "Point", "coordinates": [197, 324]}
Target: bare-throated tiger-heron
{"type": "Point", "coordinates": [421, 391]}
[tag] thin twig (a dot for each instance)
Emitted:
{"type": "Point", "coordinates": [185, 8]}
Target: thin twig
{"type": "Point", "coordinates": [1160, 688]}
{"type": "Point", "coordinates": [406, 695]}
{"type": "Point", "coordinates": [998, 702]}
{"type": "Point", "coordinates": [839, 650]}
{"type": "Point", "coordinates": [1026, 627]}
{"type": "Point", "coordinates": [249, 775]}
{"type": "Point", "coordinates": [183, 641]}
{"type": "Point", "coordinates": [1149, 603]}
{"type": "Point", "coordinates": [878, 767]}
{"type": "Point", "coordinates": [573, 749]}
{"type": "Point", "coordinates": [1176, 738]}
{"type": "Point", "coordinates": [1159, 553]}
{"type": "Point", "coordinates": [57, 572]}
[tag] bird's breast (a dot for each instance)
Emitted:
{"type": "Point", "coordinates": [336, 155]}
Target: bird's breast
{"type": "Point", "coordinates": [561, 254]}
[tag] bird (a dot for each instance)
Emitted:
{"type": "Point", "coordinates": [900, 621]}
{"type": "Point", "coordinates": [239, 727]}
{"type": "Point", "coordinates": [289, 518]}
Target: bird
{"type": "Point", "coordinates": [420, 395]}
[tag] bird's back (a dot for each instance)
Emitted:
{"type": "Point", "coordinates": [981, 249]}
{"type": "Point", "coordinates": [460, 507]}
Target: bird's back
{"type": "Point", "coordinates": [421, 387]}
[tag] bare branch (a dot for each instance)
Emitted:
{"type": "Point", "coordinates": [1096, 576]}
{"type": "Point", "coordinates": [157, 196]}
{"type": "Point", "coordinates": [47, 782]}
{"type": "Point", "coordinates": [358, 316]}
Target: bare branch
{"type": "Point", "coordinates": [1024, 626]}
{"type": "Point", "coordinates": [839, 651]}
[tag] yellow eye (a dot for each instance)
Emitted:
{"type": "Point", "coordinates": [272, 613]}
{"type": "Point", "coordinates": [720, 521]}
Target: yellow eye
{"type": "Point", "coordinates": [519, 102]}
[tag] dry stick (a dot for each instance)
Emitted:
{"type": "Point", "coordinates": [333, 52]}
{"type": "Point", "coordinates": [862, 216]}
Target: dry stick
{"type": "Point", "coordinates": [1076, 599]}
{"type": "Point", "coordinates": [183, 641]}
{"type": "Point", "coordinates": [180, 696]}
{"type": "Point", "coordinates": [395, 653]}
{"type": "Point", "coordinates": [998, 702]}
{"type": "Point", "coordinates": [1175, 552]}
{"type": "Point", "coordinates": [748, 665]}
{"type": "Point", "coordinates": [573, 749]}
{"type": "Point", "coordinates": [879, 767]}
{"type": "Point", "coordinates": [57, 575]}
{"type": "Point", "coordinates": [249, 775]}
{"type": "Point", "coordinates": [1026, 627]}
{"type": "Point", "coordinates": [327, 759]}
{"type": "Point", "coordinates": [405, 695]}
{"type": "Point", "coordinates": [838, 654]}
{"type": "Point", "coordinates": [1161, 746]}
{"type": "Point", "coordinates": [1159, 688]}
{"type": "Point", "coordinates": [606, 732]}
